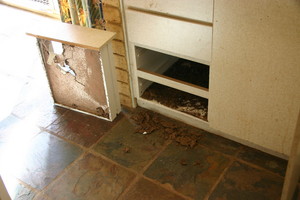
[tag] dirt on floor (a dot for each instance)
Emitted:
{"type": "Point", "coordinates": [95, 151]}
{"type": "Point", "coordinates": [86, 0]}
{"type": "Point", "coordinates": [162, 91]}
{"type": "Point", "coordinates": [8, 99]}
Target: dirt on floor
{"type": "Point", "coordinates": [148, 122]}
{"type": "Point", "coordinates": [178, 100]}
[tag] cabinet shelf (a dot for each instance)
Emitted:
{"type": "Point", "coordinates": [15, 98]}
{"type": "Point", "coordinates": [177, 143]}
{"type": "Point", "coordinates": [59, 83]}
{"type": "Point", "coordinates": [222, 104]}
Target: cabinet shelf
{"type": "Point", "coordinates": [172, 82]}
{"type": "Point", "coordinates": [162, 68]}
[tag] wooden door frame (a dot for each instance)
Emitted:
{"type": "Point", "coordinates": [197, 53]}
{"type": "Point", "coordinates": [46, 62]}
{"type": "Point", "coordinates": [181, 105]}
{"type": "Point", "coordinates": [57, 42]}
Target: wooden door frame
{"type": "Point", "coordinates": [3, 191]}
{"type": "Point", "coordinates": [293, 168]}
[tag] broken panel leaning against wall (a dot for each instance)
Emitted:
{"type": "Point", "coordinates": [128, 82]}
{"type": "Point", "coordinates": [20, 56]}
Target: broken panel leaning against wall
{"type": "Point", "coordinates": [90, 13]}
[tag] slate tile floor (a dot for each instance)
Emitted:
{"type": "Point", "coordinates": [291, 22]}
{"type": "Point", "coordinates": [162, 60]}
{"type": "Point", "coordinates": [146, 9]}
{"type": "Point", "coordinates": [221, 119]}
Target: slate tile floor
{"type": "Point", "coordinates": [47, 152]}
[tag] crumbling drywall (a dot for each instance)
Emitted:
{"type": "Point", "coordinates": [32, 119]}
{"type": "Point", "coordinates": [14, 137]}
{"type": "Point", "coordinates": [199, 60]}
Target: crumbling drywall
{"type": "Point", "coordinates": [76, 78]}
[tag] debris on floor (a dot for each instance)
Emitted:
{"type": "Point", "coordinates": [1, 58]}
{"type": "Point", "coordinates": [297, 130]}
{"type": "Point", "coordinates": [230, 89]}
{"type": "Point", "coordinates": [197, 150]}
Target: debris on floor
{"type": "Point", "coordinates": [183, 162]}
{"type": "Point", "coordinates": [148, 122]}
{"type": "Point", "coordinates": [197, 163]}
{"type": "Point", "coordinates": [178, 100]}
{"type": "Point", "coordinates": [126, 150]}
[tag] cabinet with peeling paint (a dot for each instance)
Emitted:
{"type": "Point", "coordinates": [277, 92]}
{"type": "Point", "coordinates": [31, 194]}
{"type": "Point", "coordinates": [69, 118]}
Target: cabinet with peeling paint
{"type": "Point", "coordinates": [79, 66]}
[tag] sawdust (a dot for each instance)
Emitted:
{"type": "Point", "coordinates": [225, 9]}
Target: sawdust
{"type": "Point", "coordinates": [126, 150]}
{"type": "Point", "coordinates": [197, 163]}
{"type": "Point", "coordinates": [178, 100]}
{"type": "Point", "coordinates": [148, 122]}
{"type": "Point", "coordinates": [183, 162]}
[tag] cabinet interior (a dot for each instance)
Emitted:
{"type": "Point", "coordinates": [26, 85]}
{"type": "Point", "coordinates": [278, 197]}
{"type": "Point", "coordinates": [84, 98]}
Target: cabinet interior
{"type": "Point", "coordinates": [173, 82]}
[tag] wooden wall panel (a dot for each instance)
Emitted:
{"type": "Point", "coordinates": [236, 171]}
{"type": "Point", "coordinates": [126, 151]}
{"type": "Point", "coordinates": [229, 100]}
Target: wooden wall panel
{"type": "Point", "coordinates": [255, 71]}
{"type": "Point", "coordinates": [113, 17]}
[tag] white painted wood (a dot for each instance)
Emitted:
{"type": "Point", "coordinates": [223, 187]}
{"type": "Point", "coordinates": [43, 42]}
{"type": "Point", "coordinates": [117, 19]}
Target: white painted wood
{"type": "Point", "coordinates": [173, 84]}
{"type": "Point", "coordinates": [110, 81]}
{"type": "Point", "coordinates": [88, 39]}
{"type": "Point", "coordinates": [144, 84]}
{"type": "Point", "coordinates": [172, 36]}
{"type": "Point", "coordinates": [159, 108]}
{"type": "Point", "coordinates": [201, 10]}
{"type": "Point", "coordinates": [3, 191]}
{"type": "Point", "coordinates": [293, 168]}
{"type": "Point", "coordinates": [153, 60]}
{"type": "Point", "coordinates": [239, 71]}
{"type": "Point", "coordinates": [193, 121]}
{"type": "Point", "coordinates": [83, 112]}
{"type": "Point", "coordinates": [255, 72]}
{"type": "Point", "coordinates": [174, 54]}
{"type": "Point", "coordinates": [76, 35]}
{"type": "Point", "coordinates": [132, 53]}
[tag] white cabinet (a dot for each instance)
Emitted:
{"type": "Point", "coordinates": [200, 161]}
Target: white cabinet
{"type": "Point", "coordinates": [162, 37]}
{"type": "Point", "coordinates": [201, 10]}
{"type": "Point", "coordinates": [255, 72]}
{"type": "Point", "coordinates": [183, 39]}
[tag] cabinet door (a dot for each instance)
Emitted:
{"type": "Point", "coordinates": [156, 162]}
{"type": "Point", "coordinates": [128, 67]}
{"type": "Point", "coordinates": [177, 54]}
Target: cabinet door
{"type": "Point", "coordinates": [201, 10]}
{"type": "Point", "coordinates": [180, 38]}
{"type": "Point", "coordinates": [255, 71]}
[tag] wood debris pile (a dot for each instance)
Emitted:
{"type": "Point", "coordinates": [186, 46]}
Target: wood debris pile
{"type": "Point", "coordinates": [149, 122]}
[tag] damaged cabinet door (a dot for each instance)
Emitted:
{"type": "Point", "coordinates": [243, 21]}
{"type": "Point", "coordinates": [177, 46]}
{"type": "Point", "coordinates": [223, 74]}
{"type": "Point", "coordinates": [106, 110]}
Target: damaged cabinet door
{"type": "Point", "coordinates": [80, 70]}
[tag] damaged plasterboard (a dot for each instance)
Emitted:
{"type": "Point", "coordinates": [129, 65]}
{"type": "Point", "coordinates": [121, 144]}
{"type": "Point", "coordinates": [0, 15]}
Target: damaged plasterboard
{"type": "Point", "coordinates": [76, 78]}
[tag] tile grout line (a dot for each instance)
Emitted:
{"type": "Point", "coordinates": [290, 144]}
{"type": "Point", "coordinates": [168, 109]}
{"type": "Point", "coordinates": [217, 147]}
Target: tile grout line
{"type": "Point", "coordinates": [62, 173]}
{"type": "Point", "coordinates": [218, 180]}
{"type": "Point", "coordinates": [172, 190]}
{"type": "Point", "coordinates": [259, 168]}
{"type": "Point", "coordinates": [13, 114]}
{"type": "Point", "coordinates": [72, 142]}
{"type": "Point", "coordinates": [167, 143]}
{"type": "Point", "coordinates": [85, 151]}
{"type": "Point", "coordinates": [242, 161]}
{"type": "Point", "coordinates": [140, 173]}
{"type": "Point", "coordinates": [41, 130]}
{"type": "Point", "coordinates": [67, 111]}
{"type": "Point", "coordinates": [65, 139]}
{"type": "Point", "coordinates": [105, 134]}
{"type": "Point", "coordinates": [129, 186]}
{"type": "Point", "coordinates": [254, 165]}
{"type": "Point", "coordinates": [43, 196]}
{"type": "Point", "coordinates": [91, 151]}
{"type": "Point", "coordinates": [35, 190]}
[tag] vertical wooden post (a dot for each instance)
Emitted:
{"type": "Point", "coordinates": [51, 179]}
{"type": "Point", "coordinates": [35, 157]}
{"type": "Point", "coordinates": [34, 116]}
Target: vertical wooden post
{"type": "Point", "coordinates": [293, 169]}
{"type": "Point", "coordinates": [3, 192]}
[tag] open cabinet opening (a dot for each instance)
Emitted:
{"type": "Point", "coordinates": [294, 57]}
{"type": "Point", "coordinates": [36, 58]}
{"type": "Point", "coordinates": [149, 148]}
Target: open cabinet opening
{"type": "Point", "coordinates": [174, 82]}
{"type": "Point", "coordinates": [178, 100]}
